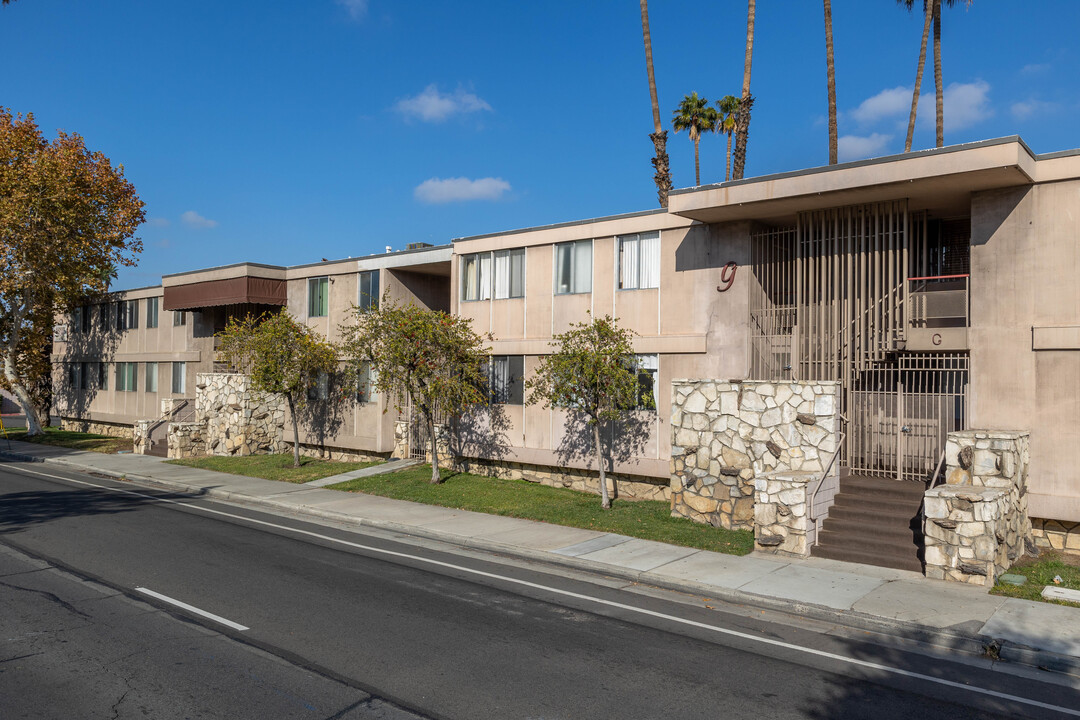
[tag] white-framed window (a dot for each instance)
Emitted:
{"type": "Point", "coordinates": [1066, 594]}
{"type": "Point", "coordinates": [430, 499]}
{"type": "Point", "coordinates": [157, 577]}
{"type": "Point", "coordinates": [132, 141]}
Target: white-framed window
{"type": "Point", "coordinates": [507, 379]}
{"type": "Point", "coordinates": [151, 312]}
{"type": "Point", "coordinates": [320, 389]}
{"type": "Point", "coordinates": [509, 273]}
{"type": "Point", "coordinates": [645, 368]}
{"type": "Point", "coordinates": [78, 375]}
{"type": "Point", "coordinates": [368, 295]}
{"type": "Point", "coordinates": [639, 261]}
{"type": "Point", "coordinates": [365, 383]}
{"type": "Point", "coordinates": [179, 317]}
{"type": "Point", "coordinates": [151, 377]}
{"type": "Point", "coordinates": [573, 267]}
{"type": "Point", "coordinates": [127, 315]}
{"type": "Point", "coordinates": [179, 382]}
{"type": "Point", "coordinates": [127, 379]}
{"type": "Point", "coordinates": [318, 297]}
{"type": "Point", "coordinates": [476, 276]}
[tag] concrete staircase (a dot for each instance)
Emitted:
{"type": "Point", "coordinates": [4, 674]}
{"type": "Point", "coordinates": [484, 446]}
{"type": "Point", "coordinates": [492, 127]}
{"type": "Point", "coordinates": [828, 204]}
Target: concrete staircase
{"type": "Point", "coordinates": [874, 521]}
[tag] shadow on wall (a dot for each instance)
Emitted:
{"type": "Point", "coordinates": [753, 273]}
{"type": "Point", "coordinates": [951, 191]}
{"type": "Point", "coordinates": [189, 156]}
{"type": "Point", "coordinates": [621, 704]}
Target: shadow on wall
{"type": "Point", "coordinates": [992, 209]}
{"type": "Point", "coordinates": [621, 440]}
{"type": "Point", "coordinates": [713, 246]}
{"type": "Point", "coordinates": [322, 418]}
{"type": "Point", "coordinates": [481, 433]}
{"type": "Point", "coordinates": [90, 347]}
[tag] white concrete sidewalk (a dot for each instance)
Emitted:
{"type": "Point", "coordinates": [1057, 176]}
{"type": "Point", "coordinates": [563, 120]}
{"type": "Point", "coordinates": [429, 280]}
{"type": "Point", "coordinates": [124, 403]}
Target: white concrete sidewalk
{"type": "Point", "coordinates": [877, 599]}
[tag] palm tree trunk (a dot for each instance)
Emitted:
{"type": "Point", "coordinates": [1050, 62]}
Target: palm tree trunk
{"type": "Point", "coordinates": [605, 499]}
{"type": "Point", "coordinates": [918, 75]}
{"type": "Point", "coordinates": [662, 176]}
{"type": "Point", "coordinates": [831, 73]}
{"type": "Point", "coordinates": [295, 432]}
{"type": "Point", "coordinates": [743, 130]}
{"type": "Point", "coordinates": [727, 162]}
{"type": "Point", "coordinates": [939, 90]}
{"type": "Point", "coordinates": [697, 165]}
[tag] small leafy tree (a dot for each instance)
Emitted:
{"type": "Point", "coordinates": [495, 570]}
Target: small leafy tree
{"type": "Point", "coordinates": [590, 372]}
{"type": "Point", "coordinates": [428, 360]}
{"type": "Point", "coordinates": [67, 218]}
{"type": "Point", "coordinates": [281, 356]}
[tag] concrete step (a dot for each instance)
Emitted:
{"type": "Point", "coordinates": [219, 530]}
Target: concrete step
{"type": "Point", "coordinates": [882, 488]}
{"type": "Point", "coordinates": [867, 555]}
{"type": "Point", "coordinates": [859, 530]}
{"type": "Point", "coordinates": [881, 513]}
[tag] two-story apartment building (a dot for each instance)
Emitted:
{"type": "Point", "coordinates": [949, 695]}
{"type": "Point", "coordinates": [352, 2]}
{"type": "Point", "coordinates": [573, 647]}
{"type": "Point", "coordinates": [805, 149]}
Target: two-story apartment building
{"type": "Point", "coordinates": [116, 360]}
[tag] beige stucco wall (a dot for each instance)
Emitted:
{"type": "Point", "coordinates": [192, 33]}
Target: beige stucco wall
{"type": "Point", "coordinates": [1025, 253]}
{"type": "Point", "coordinates": [695, 330]}
{"type": "Point", "coordinates": [191, 343]}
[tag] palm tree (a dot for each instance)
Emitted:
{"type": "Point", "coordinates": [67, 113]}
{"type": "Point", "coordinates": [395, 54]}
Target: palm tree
{"type": "Point", "coordinates": [727, 112]}
{"type": "Point", "coordinates": [830, 70]}
{"type": "Point", "coordinates": [694, 115]}
{"type": "Point", "coordinates": [939, 90]}
{"type": "Point", "coordinates": [747, 101]}
{"type": "Point", "coordinates": [929, 7]}
{"type": "Point", "coordinates": [659, 135]}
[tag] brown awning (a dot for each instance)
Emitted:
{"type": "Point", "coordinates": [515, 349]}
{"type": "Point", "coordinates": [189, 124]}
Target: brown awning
{"type": "Point", "coordinates": [231, 291]}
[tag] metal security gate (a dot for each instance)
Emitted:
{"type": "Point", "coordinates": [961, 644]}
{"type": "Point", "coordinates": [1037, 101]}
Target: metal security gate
{"type": "Point", "coordinates": [832, 300]}
{"type": "Point", "coordinates": [419, 437]}
{"type": "Point", "coordinates": [901, 412]}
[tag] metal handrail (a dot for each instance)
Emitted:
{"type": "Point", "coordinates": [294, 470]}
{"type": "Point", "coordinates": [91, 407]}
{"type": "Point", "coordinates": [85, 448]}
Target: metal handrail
{"type": "Point", "coordinates": [828, 468]}
{"type": "Point", "coordinates": [937, 471]}
{"type": "Point", "coordinates": [165, 416]}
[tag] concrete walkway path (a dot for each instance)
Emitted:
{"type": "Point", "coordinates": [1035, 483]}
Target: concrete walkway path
{"type": "Point", "coordinates": [892, 603]}
{"type": "Point", "coordinates": [386, 467]}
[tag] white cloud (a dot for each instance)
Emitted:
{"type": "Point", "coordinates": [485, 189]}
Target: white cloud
{"type": "Point", "coordinates": [887, 103]}
{"type": "Point", "coordinates": [195, 220]}
{"type": "Point", "coordinates": [433, 106]}
{"type": "Point", "coordinates": [447, 190]}
{"type": "Point", "coordinates": [859, 147]}
{"type": "Point", "coordinates": [357, 9]}
{"type": "Point", "coordinates": [157, 222]}
{"type": "Point", "coordinates": [1035, 68]}
{"type": "Point", "coordinates": [965, 104]}
{"type": "Point", "coordinates": [1028, 108]}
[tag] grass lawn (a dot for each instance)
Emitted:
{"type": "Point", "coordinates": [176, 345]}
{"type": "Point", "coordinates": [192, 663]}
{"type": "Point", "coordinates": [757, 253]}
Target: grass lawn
{"type": "Point", "coordinates": [75, 440]}
{"type": "Point", "coordinates": [274, 467]}
{"type": "Point", "coordinates": [1040, 572]}
{"type": "Point", "coordinates": [648, 519]}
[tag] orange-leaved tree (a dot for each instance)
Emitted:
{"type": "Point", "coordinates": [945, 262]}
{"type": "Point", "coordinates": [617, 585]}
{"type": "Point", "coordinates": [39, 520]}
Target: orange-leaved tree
{"type": "Point", "coordinates": [67, 221]}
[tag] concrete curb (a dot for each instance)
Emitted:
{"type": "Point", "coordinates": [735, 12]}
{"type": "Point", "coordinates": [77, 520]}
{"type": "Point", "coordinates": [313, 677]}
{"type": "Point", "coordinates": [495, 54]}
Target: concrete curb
{"type": "Point", "coordinates": [906, 631]}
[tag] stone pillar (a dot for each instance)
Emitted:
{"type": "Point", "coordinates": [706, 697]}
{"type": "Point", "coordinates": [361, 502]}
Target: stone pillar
{"type": "Point", "coordinates": [976, 525]}
{"type": "Point", "coordinates": [141, 436]}
{"type": "Point", "coordinates": [726, 434]}
{"type": "Point", "coordinates": [401, 439]}
{"type": "Point", "coordinates": [187, 440]}
{"type": "Point", "coordinates": [781, 521]}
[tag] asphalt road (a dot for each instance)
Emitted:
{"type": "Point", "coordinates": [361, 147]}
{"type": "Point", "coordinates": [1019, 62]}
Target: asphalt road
{"type": "Point", "coordinates": [317, 621]}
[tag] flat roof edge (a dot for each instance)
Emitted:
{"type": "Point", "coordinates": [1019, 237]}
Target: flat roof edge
{"type": "Point", "coordinates": [571, 223]}
{"type": "Point", "coordinates": [866, 163]}
{"type": "Point", "coordinates": [224, 267]}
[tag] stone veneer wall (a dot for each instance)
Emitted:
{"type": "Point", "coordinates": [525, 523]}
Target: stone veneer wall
{"type": "Point", "coordinates": [239, 421]}
{"type": "Point", "coordinates": [726, 434]}
{"type": "Point", "coordinates": [187, 440]}
{"type": "Point", "coordinates": [782, 522]}
{"type": "Point", "coordinates": [1056, 535]}
{"type": "Point", "coordinates": [976, 525]}
{"type": "Point", "coordinates": [98, 428]}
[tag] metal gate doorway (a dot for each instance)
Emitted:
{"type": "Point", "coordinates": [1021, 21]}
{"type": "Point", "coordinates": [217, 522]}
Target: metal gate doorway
{"type": "Point", "coordinates": [900, 413]}
{"type": "Point", "coordinates": [832, 299]}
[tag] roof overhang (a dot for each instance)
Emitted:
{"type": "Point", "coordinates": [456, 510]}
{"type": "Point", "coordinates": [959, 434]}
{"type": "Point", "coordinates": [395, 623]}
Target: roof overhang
{"type": "Point", "coordinates": [934, 179]}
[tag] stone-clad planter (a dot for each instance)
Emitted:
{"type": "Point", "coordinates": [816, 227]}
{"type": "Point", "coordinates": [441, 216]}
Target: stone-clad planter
{"type": "Point", "coordinates": [781, 521]}
{"type": "Point", "coordinates": [976, 525]}
{"type": "Point", "coordinates": [726, 434]}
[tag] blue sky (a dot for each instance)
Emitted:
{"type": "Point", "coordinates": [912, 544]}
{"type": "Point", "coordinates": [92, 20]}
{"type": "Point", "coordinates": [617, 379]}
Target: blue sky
{"type": "Point", "coordinates": [288, 132]}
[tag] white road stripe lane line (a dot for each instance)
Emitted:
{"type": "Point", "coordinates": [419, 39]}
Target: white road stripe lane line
{"type": "Point", "coordinates": [599, 601]}
{"type": "Point", "coordinates": [192, 609]}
